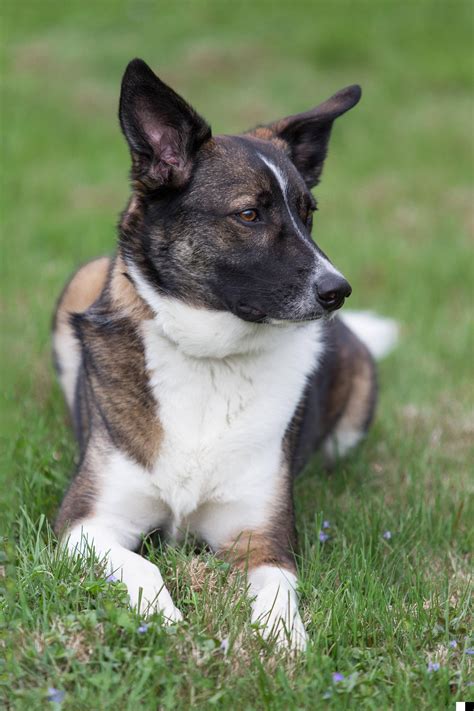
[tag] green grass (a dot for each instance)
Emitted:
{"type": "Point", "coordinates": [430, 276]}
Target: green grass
{"type": "Point", "coordinates": [395, 216]}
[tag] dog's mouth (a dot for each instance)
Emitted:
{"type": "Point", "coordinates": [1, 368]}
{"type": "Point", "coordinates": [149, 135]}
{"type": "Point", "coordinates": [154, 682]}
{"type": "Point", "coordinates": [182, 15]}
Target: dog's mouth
{"type": "Point", "coordinates": [255, 315]}
{"type": "Point", "coordinates": [250, 313]}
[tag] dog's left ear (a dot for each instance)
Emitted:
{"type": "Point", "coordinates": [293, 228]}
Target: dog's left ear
{"type": "Point", "coordinates": [307, 134]}
{"type": "Point", "coordinates": [162, 130]}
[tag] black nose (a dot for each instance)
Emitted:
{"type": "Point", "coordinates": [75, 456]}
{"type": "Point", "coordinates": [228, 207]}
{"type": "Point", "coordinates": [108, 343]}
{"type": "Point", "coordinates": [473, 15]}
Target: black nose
{"type": "Point", "coordinates": [332, 289]}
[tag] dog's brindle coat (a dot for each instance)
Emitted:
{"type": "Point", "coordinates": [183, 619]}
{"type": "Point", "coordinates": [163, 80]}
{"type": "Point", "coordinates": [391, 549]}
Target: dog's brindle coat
{"type": "Point", "coordinates": [199, 364]}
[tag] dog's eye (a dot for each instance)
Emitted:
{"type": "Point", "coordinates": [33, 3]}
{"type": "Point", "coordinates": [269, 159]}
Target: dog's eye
{"type": "Point", "coordinates": [309, 216]}
{"type": "Point", "coordinates": [248, 215]}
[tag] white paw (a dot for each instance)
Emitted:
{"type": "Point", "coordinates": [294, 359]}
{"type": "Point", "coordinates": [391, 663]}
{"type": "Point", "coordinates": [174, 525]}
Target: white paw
{"type": "Point", "coordinates": [275, 607]}
{"type": "Point", "coordinates": [148, 604]}
{"type": "Point", "coordinates": [147, 591]}
{"type": "Point", "coordinates": [281, 624]}
{"type": "Point", "coordinates": [278, 629]}
{"type": "Point", "coordinates": [145, 586]}
{"type": "Point", "coordinates": [148, 600]}
{"type": "Point", "coordinates": [170, 613]}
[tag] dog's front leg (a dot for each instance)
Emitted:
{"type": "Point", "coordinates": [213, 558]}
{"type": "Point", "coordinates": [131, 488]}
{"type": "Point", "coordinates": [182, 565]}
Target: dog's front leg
{"type": "Point", "coordinates": [145, 585]}
{"type": "Point", "coordinates": [271, 575]}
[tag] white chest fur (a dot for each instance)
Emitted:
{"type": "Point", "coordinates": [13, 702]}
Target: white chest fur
{"type": "Point", "coordinates": [225, 393]}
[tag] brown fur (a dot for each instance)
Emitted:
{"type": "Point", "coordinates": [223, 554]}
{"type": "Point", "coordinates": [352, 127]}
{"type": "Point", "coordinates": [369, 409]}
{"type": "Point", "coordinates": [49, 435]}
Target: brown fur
{"type": "Point", "coordinates": [254, 548]}
{"type": "Point", "coordinates": [354, 402]}
{"type": "Point", "coordinates": [78, 503]}
{"type": "Point", "coordinates": [82, 290]}
{"type": "Point", "coordinates": [114, 403]}
{"type": "Point", "coordinates": [84, 287]}
{"type": "Point", "coordinates": [270, 133]}
{"type": "Point", "coordinates": [341, 394]}
{"type": "Point", "coordinates": [351, 394]}
{"type": "Point", "coordinates": [275, 544]}
{"type": "Point", "coordinates": [123, 294]}
{"type": "Point", "coordinates": [117, 386]}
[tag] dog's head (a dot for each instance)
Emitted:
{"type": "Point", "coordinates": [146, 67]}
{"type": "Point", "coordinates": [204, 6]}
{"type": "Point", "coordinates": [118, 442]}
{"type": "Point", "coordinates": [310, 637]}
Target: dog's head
{"type": "Point", "coordinates": [224, 222]}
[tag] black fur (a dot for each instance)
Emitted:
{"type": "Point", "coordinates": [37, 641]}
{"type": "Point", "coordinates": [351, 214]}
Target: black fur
{"type": "Point", "coordinates": [162, 130]}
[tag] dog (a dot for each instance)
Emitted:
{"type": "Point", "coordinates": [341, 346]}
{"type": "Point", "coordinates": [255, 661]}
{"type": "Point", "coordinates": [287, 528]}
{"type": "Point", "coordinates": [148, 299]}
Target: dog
{"type": "Point", "coordinates": [203, 364]}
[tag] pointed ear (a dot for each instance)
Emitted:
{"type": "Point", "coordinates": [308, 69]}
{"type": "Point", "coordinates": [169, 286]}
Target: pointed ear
{"type": "Point", "coordinates": [307, 135]}
{"type": "Point", "coordinates": [162, 130]}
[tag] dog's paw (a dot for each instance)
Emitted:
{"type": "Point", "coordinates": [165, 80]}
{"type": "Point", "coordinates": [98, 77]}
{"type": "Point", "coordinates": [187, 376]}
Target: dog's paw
{"type": "Point", "coordinates": [294, 637]}
{"type": "Point", "coordinates": [171, 614]}
{"type": "Point", "coordinates": [281, 625]}
{"type": "Point", "coordinates": [150, 603]}
{"type": "Point", "coordinates": [285, 636]}
{"type": "Point", "coordinates": [148, 594]}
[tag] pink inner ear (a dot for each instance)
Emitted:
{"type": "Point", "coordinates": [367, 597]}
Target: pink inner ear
{"type": "Point", "coordinates": [154, 136]}
{"type": "Point", "coordinates": [168, 156]}
{"type": "Point", "coordinates": [163, 141]}
{"type": "Point", "coordinates": [169, 159]}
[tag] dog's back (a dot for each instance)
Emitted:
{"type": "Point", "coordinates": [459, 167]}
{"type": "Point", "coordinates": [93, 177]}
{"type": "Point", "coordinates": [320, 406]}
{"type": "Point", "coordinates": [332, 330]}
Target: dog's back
{"type": "Point", "coordinates": [81, 291]}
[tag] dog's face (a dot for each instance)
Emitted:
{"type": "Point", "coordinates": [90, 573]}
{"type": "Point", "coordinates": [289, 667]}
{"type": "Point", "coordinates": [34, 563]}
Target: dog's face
{"type": "Point", "coordinates": [224, 222]}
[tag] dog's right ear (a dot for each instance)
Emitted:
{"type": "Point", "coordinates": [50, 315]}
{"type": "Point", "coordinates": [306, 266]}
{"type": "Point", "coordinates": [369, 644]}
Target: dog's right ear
{"type": "Point", "coordinates": [162, 130]}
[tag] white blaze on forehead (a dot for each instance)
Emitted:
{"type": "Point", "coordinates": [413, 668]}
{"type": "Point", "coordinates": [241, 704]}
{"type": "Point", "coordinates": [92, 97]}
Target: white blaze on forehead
{"type": "Point", "coordinates": [283, 183]}
{"type": "Point", "coordinates": [323, 263]}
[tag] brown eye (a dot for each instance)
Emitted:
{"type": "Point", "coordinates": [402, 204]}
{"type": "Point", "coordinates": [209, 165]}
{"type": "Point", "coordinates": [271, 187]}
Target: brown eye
{"type": "Point", "coordinates": [309, 217]}
{"type": "Point", "coordinates": [248, 215]}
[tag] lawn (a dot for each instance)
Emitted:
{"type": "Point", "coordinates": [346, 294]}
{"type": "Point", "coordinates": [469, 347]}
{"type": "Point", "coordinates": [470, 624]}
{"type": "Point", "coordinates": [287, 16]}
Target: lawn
{"type": "Point", "coordinates": [391, 613]}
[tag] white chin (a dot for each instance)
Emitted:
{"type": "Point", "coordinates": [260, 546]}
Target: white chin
{"type": "Point", "coordinates": [293, 322]}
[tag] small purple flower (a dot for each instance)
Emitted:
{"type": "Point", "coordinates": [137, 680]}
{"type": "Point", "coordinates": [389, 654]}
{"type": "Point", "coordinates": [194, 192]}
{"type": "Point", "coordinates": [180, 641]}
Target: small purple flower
{"type": "Point", "coordinates": [337, 677]}
{"type": "Point", "coordinates": [387, 535]}
{"type": "Point", "coordinates": [326, 524]}
{"type": "Point", "coordinates": [55, 695]}
{"type": "Point", "coordinates": [470, 651]}
{"type": "Point", "coordinates": [433, 667]}
{"type": "Point", "coordinates": [111, 578]}
{"type": "Point", "coordinates": [453, 644]}
{"type": "Point", "coordinates": [323, 537]}
{"type": "Point", "coordinates": [224, 646]}
{"type": "Point", "coordinates": [142, 629]}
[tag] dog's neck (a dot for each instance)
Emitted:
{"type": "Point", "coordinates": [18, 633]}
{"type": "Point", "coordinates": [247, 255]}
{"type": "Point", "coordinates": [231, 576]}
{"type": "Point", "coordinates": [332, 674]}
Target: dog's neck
{"type": "Point", "coordinates": [199, 332]}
